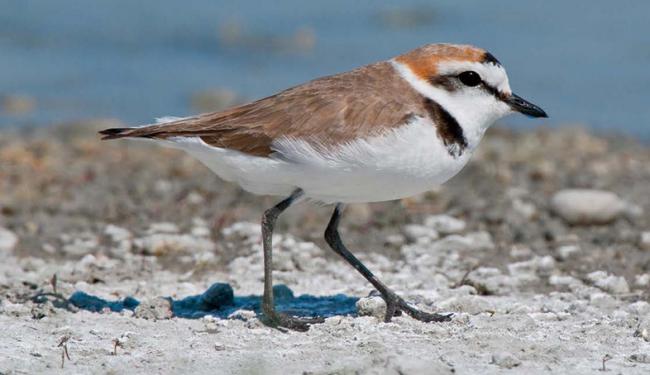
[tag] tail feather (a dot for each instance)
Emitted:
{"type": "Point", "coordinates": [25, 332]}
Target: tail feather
{"type": "Point", "coordinates": [145, 131]}
{"type": "Point", "coordinates": [113, 133]}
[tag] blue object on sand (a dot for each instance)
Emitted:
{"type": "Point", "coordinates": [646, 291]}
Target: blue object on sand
{"type": "Point", "coordinates": [220, 301]}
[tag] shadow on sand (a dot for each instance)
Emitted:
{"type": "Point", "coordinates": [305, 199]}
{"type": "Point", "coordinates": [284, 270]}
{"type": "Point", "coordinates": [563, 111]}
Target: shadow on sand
{"type": "Point", "coordinates": [219, 301]}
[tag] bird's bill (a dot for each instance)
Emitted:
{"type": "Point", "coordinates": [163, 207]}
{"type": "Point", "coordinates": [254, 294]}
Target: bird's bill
{"type": "Point", "coordinates": [521, 105]}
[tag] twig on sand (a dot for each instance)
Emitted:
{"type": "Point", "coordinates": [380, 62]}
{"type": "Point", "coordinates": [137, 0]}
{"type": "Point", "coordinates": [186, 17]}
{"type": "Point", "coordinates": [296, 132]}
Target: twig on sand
{"type": "Point", "coordinates": [116, 343]}
{"type": "Point", "coordinates": [606, 358]}
{"type": "Point", "coordinates": [53, 283]}
{"type": "Point", "coordinates": [63, 344]}
{"type": "Point", "coordinates": [463, 280]}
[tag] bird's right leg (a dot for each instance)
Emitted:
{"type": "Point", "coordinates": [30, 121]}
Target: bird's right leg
{"type": "Point", "coordinates": [271, 316]}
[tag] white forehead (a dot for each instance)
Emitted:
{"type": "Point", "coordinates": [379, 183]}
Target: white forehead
{"type": "Point", "coordinates": [493, 74]}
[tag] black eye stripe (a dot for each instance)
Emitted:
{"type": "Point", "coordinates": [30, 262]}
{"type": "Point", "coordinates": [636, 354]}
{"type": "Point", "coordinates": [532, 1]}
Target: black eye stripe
{"type": "Point", "coordinates": [451, 83]}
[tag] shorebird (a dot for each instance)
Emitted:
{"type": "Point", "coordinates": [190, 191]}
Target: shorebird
{"type": "Point", "coordinates": [380, 132]}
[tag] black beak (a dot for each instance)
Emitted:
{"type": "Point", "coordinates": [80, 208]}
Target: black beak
{"type": "Point", "coordinates": [519, 104]}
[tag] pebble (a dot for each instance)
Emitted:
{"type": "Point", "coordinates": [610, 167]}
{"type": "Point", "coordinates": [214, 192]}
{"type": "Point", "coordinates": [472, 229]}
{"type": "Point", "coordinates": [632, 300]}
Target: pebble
{"type": "Point", "coordinates": [519, 251]}
{"type": "Point", "coordinates": [640, 358]}
{"type": "Point", "coordinates": [395, 240]}
{"type": "Point", "coordinates": [415, 232]}
{"type": "Point", "coordinates": [158, 308]}
{"type": "Point", "coordinates": [613, 284]}
{"type": "Point", "coordinates": [642, 280]}
{"type": "Point", "coordinates": [585, 206]}
{"type": "Point", "coordinates": [505, 360]}
{"type": "Point", "coordinates": [445, 224]}
{"type": "Point", "coordinates": [476, 241]}
{"type": "Point", "coordinates": [537, 265]}
{"type": "Point", "coordinates": [165, 243]}
{"type": "Point", "coordinates": [524, 209]}
{"type": "Point", "coordinates": [644, 241]}
{"type": "Point", "coordinates": [163, 228]}
{"type": "Point", "coordinates": [372, 306]}
{"type": "Point", "coordinates": [242, 314]}
{"type": "Point", "coordinates": [643, 330]}
{"type": "Point", "coordinates": [559, 280]}
{"type": "Point", "coordinates": [469, 304]}
{"type": "Point", "coordinates": [8, 239]}
{"type": "Point", "coordinates": [603, 301]}
{"type": "Point", "coordinates": [567, 251]}
{"type": "Point", "coordinates": [117, 234]}
{"type": "Point", "coordinates": [639, 307]}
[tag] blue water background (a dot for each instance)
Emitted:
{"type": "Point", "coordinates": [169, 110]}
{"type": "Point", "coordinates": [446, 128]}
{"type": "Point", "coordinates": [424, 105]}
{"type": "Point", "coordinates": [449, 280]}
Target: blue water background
{"type": "Point", "coordinates": [583, 61]}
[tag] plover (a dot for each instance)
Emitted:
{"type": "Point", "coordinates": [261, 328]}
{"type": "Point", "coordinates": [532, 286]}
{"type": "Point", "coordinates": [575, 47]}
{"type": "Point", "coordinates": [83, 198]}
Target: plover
{"type": "Point", "coordinates": [381, 132]}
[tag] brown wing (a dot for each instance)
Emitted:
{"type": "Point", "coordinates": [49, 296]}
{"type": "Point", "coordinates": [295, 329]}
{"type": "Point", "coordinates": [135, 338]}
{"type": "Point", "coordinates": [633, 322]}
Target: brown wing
{"type": "Point", "coordinates": [327, 111]}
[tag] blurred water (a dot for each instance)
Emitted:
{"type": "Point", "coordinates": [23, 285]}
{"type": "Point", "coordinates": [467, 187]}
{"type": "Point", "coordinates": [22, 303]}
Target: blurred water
{"type": "Point", "coordinates": [582, 61]}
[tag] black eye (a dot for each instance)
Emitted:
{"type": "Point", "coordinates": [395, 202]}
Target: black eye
{"type": "Point", "coordinates": [469, 78]}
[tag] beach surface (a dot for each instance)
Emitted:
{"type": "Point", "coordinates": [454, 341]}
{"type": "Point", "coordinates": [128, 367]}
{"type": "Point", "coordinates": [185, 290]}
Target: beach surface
{"type": "Point", "coordinates": [540, 248]}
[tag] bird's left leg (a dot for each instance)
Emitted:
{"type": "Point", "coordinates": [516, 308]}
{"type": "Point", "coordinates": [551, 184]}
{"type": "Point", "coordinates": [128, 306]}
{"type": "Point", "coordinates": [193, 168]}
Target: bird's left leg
{"type": "Point", "coordinates": [394, 302]}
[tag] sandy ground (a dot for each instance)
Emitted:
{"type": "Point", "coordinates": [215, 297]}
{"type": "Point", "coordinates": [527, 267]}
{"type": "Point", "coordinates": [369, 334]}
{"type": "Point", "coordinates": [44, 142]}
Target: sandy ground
{"type": "Point", "coordinates": [541, 279]}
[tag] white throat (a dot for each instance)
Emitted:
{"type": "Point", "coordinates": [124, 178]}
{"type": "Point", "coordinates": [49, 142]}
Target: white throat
{"type": "Point", "coordinates": [474, 113]}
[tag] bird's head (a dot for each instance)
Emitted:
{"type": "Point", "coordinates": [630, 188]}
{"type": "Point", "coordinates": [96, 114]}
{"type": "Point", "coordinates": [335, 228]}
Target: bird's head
{"type": "Point", "coordinates": [468, 82]}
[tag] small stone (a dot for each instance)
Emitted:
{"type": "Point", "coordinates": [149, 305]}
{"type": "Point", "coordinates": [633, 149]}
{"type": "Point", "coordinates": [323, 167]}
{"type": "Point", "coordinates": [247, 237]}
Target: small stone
{"type": "Point", "coordinates": [613, 284]}
{"type": "Point", "coordinates": [476, 241]}
{"type": "Point", "coordinates": [163, 228]}
{"type": "Point", "coordinates": [640, 358]}
{"type": "Point", "coordinates": [536, 266]}
{"type": "Point", "coordinates": [445, 224]}
{"type": "Point", "coordinates": [219, 346]}
{"type": "Point", "coordinates": [585, 206]}
{"type": "Point", "coordinates": [518, 251]}
{"type": "Point", "coordinates": [372, 306]}
{"type": "Point", "coordinates": [567, 251]}
{"type": "Point", "coordinates": [602, 301]}
{"type": "Point", "coordinates": [8, 240]}
{"type": "Point", "coordinates": [217, 296]}
{"type": "Point", "coordinates": [639, 308]}
{"type": "Point", "coordinates": [505, 360]}
{"type": "Point", "coordinates": [644, 241]}
{"type": "Point", "coordinates": [414, 233]}
{"type": "Point", "coordinates": [642, 279]}
{"type": "Point", "coordinates": [42, 310]}
{"type": "Point", "coordinates": [244, 315]}
{"type": "Point", "coordinates": [524, 209]}
{"type": "Point", "coordinates": [201, 231]}
{"type": "Point", "coordinates": [596, 276]}
{"type": "Point", "coordinates": [395, 240]}
{"type": "Point", "coordinates": [117, 234]}
{"type": "Point", "coordinates": [158, 308]}
{"type": "Point", "coordinates": [169, 243]}
{"type": "Point", "coordinates": [643, 330]}
{"type": "Point", "coordinates": [559, 280]}
{"type": "Point", "coordinates": [469, 304]}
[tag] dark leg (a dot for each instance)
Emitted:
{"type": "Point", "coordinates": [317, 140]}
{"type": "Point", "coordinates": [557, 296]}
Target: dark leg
{"type": "Point", "coordinates": [394, 303]}
{"type": "Point", "coordinates": [272, 317]}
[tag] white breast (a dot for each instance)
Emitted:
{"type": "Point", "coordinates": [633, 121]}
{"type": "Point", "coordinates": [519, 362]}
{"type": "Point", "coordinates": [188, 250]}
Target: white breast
{"type": "Point", "coordinates": [405, 161]}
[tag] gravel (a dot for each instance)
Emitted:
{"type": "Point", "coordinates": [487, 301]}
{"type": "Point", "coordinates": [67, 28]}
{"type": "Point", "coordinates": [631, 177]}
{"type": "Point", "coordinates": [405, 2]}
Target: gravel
{"type": "Point", "coordinates": [535, 286]}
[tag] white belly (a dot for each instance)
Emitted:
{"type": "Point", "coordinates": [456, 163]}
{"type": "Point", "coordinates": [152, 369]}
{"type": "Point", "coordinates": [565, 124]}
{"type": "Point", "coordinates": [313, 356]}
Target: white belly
{"type": "Point", "coordinates": [407, 161]}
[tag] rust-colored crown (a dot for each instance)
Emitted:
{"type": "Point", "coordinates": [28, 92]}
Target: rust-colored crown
{"type": "Point", "coordinates": [424, 61]}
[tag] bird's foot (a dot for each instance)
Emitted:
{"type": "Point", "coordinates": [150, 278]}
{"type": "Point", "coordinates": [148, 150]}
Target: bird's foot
{"type": "Point", "coordinates": [395, 305]}
{"type": "Point", "coordinates": [283, 321]}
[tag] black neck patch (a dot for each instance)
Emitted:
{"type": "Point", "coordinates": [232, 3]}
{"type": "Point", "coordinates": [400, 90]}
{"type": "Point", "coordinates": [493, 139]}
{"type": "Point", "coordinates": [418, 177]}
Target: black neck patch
{"type": "Point", "coordinates": [448, 128]}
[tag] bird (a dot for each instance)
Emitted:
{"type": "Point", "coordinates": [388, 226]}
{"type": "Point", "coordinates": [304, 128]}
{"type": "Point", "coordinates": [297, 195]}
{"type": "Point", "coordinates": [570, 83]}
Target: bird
{"type": "Point", "coordinates": [384, 131]}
